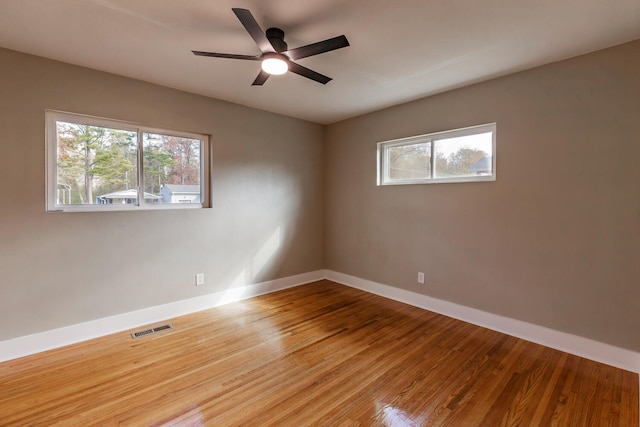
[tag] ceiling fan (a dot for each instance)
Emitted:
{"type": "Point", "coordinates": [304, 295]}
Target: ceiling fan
{"type": "Point", "coordinates": [275, 56]}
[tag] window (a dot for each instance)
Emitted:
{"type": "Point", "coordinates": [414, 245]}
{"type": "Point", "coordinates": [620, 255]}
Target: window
{"type": "Point", "coordinates": [96, 164]}
{"type": "Point", "coordinates": [461, 155]}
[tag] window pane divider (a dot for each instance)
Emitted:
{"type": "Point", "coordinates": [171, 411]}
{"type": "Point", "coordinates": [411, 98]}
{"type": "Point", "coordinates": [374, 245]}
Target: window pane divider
{"type": "Point", "coordinates": [140, 161]}
{"type": "Point", "coordinates": [432, 156]}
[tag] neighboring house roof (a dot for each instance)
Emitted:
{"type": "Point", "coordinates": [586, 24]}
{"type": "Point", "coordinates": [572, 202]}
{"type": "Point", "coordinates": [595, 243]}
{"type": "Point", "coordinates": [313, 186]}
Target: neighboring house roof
{"type": "Point", "coordinates": [182, 189]}
{"type": "Point", "coordinates": [482, 165]}
{"type": "Point", "coordinates": [128, 194]}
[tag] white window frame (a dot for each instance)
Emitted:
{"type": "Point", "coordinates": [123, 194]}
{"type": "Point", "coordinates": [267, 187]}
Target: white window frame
{"type": "Point", "coordinates": [51, 156]}
{"type": "Point", "coordinates": [383, 156]}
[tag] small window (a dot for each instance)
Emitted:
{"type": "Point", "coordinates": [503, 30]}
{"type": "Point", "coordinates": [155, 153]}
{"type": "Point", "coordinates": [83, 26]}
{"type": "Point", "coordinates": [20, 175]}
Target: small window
{"type": "Point", "coordinates": [461, 155]}
{"type": "Point", "coordinates": [96, 164]}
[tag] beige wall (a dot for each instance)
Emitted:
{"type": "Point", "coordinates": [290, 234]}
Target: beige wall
{"type": "Point", "coordinates": [554, 241]}
{"type": "Point", "coordinates": [58, 269]}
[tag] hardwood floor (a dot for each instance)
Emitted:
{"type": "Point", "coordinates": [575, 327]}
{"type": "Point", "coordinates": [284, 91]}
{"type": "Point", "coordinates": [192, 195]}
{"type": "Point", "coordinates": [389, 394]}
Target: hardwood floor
{"type": "Point", "coordinates": [319, 354]}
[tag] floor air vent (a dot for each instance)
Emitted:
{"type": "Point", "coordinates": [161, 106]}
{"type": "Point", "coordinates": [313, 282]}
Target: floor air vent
{"type": "Point", "coordinates": [150, 331]}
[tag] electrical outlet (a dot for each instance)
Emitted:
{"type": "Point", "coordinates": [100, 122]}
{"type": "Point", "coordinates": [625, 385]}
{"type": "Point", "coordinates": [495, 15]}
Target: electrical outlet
{"type": "Point", "coordinates": [199, 279]}
{"type": "Point", "coordinates": [421, 277]}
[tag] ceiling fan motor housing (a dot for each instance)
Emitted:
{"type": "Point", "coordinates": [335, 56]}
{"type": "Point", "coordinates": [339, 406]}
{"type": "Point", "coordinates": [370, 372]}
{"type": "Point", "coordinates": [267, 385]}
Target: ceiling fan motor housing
{"type": "Point", "coordinates": [276, 38]}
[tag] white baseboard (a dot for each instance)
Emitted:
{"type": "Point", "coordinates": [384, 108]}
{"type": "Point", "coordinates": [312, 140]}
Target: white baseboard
{"type": "Point", "coordinates": [47, 340]}
{"type": "Point", "coordinates": [573, 344]}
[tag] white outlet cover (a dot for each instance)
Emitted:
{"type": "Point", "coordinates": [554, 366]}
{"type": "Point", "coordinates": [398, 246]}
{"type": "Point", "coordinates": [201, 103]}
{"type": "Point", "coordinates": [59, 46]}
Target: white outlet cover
{"type": "Point", "coordinates": [199, 279]}
{"type": "Point", "coordinates": [421, 278]}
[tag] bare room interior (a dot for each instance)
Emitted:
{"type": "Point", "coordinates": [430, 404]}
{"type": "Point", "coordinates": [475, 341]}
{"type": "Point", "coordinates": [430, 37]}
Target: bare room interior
{"type": "Point", "coordinates": [431, 216]}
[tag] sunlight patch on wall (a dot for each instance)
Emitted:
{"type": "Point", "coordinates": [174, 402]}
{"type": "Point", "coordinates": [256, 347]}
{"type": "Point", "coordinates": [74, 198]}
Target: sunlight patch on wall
{"type": "Point", "coordinates": [267, 252]}
{"type": "Point", "coordinates": [236, 289]}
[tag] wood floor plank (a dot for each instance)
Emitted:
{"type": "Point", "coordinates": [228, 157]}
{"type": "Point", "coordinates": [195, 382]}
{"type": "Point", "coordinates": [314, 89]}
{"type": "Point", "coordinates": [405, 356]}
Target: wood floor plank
{"type": "Point", "coordinates": [318, 354]}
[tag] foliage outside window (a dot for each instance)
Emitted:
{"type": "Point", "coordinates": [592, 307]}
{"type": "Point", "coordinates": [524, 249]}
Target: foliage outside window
{"type": "Point", "coordinates": [100, 164]}
{"type": "Point", "coordinates": [461, 155]}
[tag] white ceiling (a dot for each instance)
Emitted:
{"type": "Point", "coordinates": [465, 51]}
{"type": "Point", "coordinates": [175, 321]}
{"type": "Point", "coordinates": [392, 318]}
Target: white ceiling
{"type": "Point", "coordinates": [400, 50]}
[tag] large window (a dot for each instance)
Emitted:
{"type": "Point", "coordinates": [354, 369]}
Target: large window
{"type": "Point", "coordinates": [460, 155]}
{"type": "Point", "coordinates": [96, 164]}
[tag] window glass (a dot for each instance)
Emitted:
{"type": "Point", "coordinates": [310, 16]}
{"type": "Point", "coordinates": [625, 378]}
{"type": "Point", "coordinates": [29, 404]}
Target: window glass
{"type": "Point", "coordinates": [464, 156]}
{"type": "Point", "coordinates": [410, 161]}
{"type": "Point", "coordinates": [171, 169]}
{"type": "Point", "coordinates": [94, 162]}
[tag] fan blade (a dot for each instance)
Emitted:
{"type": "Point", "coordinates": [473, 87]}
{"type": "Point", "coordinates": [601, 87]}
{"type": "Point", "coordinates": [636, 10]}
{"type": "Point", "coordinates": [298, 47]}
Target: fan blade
{"type": "Point", "coordinates": [226, 55]}
{"type": "Point", "coordinates": [254, 30]}
{"type": "Point", "coordinates": [262, 77]}
{"type": "Point", "coordinates": [317, 48]}
{"type": "Point", "coordinates": [310, 74]}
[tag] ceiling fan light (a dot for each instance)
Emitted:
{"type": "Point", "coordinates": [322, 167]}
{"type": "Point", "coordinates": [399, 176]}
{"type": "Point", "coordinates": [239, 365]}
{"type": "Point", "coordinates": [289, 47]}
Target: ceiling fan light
{"type": "Point", "coordinates": [275, 66]}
